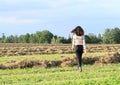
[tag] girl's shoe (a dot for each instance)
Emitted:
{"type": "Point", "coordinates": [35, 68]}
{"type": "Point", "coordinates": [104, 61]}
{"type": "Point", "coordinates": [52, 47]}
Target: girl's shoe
{"type": "Point", "coordinates": [80, 69]}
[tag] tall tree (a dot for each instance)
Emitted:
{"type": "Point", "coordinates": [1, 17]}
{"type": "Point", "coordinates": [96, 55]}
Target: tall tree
{"type": "Point", "coordinates": [111, 36]}
{"type": "Point", "coordinates": [92, 38]}
{"type": "Point", "coordinates": [100, 38]}
{"type": "Point", "coordinates": [22, 39]}
{"type": "Point", "coordinates": [59, 40]}
{"type": "Point", "coordinates": [3, 38]}
{"type": "Point", "coordinates": [46, 36]}
{"type": "Point", "coordinates": [10, 39]}
{"type": "Point", "coordinates": [37, 37]}
{"type": "Point", "coordinates": [27, 38]}
{"type": "Point", "coordinates": [33, 38]}
{"type": "Point", "coordinates": [107, 36]}
{"type": "Point", "coordinates": [116, 35]}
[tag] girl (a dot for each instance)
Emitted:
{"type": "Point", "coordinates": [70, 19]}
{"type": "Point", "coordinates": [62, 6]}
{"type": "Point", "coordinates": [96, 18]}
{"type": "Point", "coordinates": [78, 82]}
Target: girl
{"type": "Point", "coordinates": [78, 44]}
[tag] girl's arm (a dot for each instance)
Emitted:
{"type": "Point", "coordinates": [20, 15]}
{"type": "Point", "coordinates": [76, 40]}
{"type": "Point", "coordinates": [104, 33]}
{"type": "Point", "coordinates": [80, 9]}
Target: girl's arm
{"type": "Point", "coordinates": [84, 44]}
{"type": "Point", "coordinates": [73, 41]}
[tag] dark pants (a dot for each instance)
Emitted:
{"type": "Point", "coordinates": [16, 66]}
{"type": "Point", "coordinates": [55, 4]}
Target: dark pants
{"type": "Point", "coordinates": [79, 52]}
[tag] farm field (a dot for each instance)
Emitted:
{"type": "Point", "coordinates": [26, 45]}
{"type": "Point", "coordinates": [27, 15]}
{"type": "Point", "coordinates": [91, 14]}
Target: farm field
{"type": "Point", "coordinates": [101, 65]}
{"type": "Point", "coordinates": [91, 75]}
{"type": "Point", "coordinates": [16, 49]}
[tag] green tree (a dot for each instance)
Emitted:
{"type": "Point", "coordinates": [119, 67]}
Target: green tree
{"type": "Point", "coordinates": [100, 38]}
{"type": "Point", "coordinates": [69, 40]}
{"type": "Point", "coordinates": [16, 39]}
{"type": "Point", "coordinates": [87, 39]}
{"type": "Point", "coordinates": [3, 38]}
{"type": "Point", "coordinates": [10, 39]}
{"type": "Point", "coordinates": [53, 40]}
{"type": "Point", "coordinates": [115, 35]}
{"type": "Point", "coordinates": [111, 36]}
{"type": "Point", "coordinates": [0, 40]}
{"type": "Point", "coordinates": [46, 36]}
{"type": "Point", "coordinates": [59, 40]}
{"type": "Point", "coordinates": [22, 39]}
{"type": "Point", "coordinates": [91, 38]}
{"type": "Point", "coordinates": [27, 38]}
{"type": "Point", "coordinates": [37, 37]}
{"type": "Point", "coordinates": [32, 38]}
{"type": "Point", "coordinates": [107, 36]}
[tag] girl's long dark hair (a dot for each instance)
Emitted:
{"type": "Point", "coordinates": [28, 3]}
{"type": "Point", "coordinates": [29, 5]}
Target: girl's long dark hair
{"type": "Point", "coordinates": [78, 31]}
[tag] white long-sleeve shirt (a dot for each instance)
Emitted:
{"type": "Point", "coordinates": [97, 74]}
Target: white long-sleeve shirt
{"type": "Point", "coordinates": [78, 40]}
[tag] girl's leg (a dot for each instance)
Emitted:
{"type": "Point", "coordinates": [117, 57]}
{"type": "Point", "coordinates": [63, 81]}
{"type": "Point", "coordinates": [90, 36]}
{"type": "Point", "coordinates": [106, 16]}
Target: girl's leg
{"type": "Point", "coordinates": [79, 58]}
{"type": "Point", "coordinates": [79, 53]}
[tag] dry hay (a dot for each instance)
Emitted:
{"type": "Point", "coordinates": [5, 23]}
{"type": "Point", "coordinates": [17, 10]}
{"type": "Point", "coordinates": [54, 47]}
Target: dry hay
{"type": "Point", "coordinates": [68, 61]}
{"type": "Point", "coordinates": [27, 63]}
{"type": "Point", "coordinates": [110, 58]}
{"type": "Point", "coordinates": [90, 60]}
{"type": "Point", "coordinates": [16, 49]}
{"type": "Point", "coordinates": [63, 62]}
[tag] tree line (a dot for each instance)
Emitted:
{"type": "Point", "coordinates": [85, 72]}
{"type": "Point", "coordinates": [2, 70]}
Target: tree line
{"type": "Point", "coordinates": [44, 36]}
{"type": "Point", "coordinates": [110, 36]}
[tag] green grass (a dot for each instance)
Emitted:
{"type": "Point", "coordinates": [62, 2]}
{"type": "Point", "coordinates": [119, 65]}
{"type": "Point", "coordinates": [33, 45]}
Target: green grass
{"type": "Point", "coordinates": [91, 75]}
{"type": "Point", "coordinates": [33, 57]}
{"type": "Point", "coordinates": [41, 57]}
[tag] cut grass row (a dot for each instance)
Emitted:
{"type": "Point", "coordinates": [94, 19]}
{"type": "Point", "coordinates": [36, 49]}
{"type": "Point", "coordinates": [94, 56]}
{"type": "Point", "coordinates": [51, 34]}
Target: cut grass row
{"type": "Point", "coordinates": [46, 57]}
{"type": "Point", "coordinates": [17, 49]}
{"type": "Point", "coordinates": [91, 75]}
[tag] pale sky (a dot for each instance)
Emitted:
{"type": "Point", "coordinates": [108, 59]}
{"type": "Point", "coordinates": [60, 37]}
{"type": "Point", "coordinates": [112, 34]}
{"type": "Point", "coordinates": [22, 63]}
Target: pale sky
{"type": "Point", "coordinates": [58, 16]}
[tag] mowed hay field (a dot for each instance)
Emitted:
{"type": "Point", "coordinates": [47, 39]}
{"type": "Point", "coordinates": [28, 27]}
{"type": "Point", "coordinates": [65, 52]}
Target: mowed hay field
{"type": "Point", "coordinates": [46, 64]}
{"type": "Point", "coordinates": [8, 49]}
